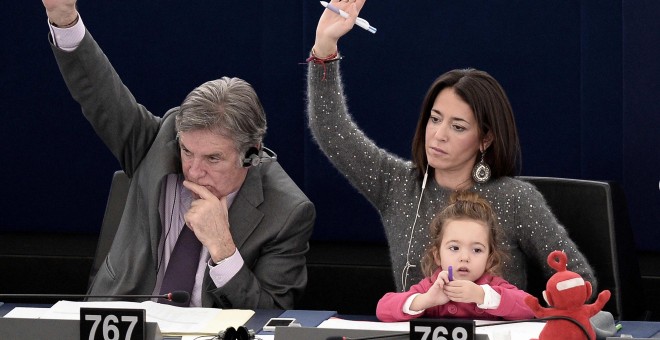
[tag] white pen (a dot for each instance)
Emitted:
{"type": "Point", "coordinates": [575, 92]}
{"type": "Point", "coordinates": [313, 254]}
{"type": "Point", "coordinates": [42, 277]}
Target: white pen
{"type": "Point", "coordinates": [359, 21]}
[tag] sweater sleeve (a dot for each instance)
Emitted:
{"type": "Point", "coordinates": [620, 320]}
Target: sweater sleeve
{"type": "Point", "coordinates": [127, 128]}
{"type": "Point", "coordinates": [357, 157]}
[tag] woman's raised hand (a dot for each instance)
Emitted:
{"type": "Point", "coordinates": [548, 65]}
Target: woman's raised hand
{"type": "Point", "coordinates": [333, 26]}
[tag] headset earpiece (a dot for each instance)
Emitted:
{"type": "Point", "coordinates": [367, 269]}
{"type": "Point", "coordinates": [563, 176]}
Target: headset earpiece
{"type": "Point", "coordinates": [251, 157]}
{"type": "Point", "coordinates": [232, 333]}
{"type": "Point", "coordinates": [254, 156]}
{"type": "Point", "coordinates": [227, 334]}
{"type": "Point", "coordinates": [244, 334]}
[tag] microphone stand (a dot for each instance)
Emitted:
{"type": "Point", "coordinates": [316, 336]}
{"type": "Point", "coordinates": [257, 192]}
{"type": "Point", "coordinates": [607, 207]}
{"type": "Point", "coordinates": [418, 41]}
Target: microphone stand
{"type": "Point", "coordinates": [178, 296]}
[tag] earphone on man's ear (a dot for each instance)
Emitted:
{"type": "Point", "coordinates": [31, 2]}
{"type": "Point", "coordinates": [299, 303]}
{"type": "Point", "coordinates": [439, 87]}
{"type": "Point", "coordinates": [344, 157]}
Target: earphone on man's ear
{"type": "Point", "coordinates": [232, 333]}
{"type": "Point", "coordinates": [254, 156]}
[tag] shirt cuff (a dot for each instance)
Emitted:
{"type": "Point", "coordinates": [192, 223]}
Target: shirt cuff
{"type": "Point", "coordinates": [226, 269]}
{"type": "Point", "coordinates": [406, 306]}
{"type": "Point", "coordinates": [69, 38]}
{"type": "Point", "coordinates": [491, 298]}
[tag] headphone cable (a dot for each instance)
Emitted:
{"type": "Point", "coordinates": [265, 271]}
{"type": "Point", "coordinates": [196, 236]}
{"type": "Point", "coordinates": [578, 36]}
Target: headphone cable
{"type": "Point", "coordinates": [404, 272]}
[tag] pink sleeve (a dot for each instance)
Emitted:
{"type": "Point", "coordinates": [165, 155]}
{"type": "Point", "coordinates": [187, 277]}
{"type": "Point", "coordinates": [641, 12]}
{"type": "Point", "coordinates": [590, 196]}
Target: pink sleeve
{"type": "Point", "coordinates": [512, 303]}
{"type": "Point", "coordinates": [390, 306]}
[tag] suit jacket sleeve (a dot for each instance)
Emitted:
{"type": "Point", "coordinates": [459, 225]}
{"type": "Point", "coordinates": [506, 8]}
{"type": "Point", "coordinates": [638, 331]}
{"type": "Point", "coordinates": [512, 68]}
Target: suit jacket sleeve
{"type": "Point", "coordinates": [274, 273]}
{"type": "Point", "coordinates": [126, 127]}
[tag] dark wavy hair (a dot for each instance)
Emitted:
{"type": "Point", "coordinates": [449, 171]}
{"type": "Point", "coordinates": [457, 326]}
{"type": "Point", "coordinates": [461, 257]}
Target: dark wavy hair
{"type": "Point", "coordinates": [492, 112]}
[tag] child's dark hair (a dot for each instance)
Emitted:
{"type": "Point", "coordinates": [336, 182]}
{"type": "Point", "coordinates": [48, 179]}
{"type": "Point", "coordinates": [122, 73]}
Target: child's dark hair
{"type": "Point", "coordinates": [465, 205]}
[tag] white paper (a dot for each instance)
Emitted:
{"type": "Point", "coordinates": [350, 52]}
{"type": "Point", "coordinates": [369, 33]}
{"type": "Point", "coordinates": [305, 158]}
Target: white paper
{"type": "Point", "coordinates": [514, 331]}
{"type": "Point", "coordinates": [368, 325]}
{"type": "Point", "coordinates": [26, 312]}
{"type": "Point", "coordinates": [170, 319]}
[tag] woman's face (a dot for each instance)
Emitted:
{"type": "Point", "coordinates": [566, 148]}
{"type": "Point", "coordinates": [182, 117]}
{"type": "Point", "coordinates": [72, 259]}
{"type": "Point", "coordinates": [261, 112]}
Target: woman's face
{"type": "Point", "coordinates": [452, 136]}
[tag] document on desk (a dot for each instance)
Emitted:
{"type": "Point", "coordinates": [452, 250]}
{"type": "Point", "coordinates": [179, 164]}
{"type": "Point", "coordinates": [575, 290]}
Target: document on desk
{"type": "Point", "coordinates": [514, 331]}
{"type": "Point", "coordinates": [171, 320]}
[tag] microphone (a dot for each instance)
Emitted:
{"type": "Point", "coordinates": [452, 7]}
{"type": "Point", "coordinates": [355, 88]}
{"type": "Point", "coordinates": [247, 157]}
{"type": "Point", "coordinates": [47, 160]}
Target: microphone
{"type": "Point", "coordinates": [178, 296]}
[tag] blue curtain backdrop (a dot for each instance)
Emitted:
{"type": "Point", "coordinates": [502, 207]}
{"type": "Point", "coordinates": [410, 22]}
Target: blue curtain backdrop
{"type": "Point", "coordinates": [582, 77]}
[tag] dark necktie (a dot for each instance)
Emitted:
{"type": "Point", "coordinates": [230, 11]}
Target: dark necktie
{"type": "Point", "coordinates": [182, 267]}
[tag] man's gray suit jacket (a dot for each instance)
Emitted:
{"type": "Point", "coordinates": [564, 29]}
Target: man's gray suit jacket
{"type": "Point", "coordinates": [271, 219]}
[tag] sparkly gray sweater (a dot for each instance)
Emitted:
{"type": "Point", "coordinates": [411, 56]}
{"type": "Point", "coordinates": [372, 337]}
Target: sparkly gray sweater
{"type": "Point", "coordinates": [391, 184]}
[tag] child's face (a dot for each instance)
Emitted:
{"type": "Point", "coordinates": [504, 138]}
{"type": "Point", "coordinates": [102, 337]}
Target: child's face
{"type": "Point", "coordinates": [464, 246]}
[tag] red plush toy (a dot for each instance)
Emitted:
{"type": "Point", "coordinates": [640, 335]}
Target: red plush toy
{"type": "Point", "coordinates": [566, 292]}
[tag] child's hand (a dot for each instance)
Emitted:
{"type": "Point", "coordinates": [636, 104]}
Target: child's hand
{"type": "Point", "coordinates": [436, 292]}
{"type": "Point", "coordinates": [464, 291]}
{"type": "Point", "coordinates": [435, 296]}
{"type": "Point", "coordinates": [443, 277]}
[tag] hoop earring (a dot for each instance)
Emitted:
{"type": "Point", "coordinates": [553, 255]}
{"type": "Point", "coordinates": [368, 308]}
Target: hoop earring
{"type": "Point", "coordinates": [481, 170]}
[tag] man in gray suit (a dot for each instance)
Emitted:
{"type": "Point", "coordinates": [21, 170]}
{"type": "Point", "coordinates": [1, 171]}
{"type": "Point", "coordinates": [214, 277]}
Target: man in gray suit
{"type": "Point", "coordinates": [201, 167]}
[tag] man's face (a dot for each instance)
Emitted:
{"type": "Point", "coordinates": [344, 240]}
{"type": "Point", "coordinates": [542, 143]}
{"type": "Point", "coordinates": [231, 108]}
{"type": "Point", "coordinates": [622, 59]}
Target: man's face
{"type": "Point", "coordinates": [212, 161]}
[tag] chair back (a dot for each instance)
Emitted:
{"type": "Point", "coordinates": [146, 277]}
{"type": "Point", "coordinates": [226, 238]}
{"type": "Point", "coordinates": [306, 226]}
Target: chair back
{"type": "Point", "coordinates": [113, 210]}
{"type": "Point", "coordinates": [595, 214]}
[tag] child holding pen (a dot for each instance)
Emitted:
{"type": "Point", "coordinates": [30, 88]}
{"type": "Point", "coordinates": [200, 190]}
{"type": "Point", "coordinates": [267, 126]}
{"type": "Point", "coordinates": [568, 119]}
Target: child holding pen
{"type": "Point", "coordinates": [461, 267]}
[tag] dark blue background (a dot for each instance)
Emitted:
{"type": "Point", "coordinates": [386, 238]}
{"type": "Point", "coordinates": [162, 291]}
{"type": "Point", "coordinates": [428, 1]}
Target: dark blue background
{"type": "Point", "coordinates": [582, 77]}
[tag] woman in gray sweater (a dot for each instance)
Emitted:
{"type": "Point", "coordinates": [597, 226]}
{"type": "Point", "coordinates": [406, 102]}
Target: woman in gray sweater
{"type": "Point", "coordinates": [466, 139]}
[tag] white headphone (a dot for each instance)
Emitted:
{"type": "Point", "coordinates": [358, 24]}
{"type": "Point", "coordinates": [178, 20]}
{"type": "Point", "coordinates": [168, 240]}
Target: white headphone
{"type": "Point", "coordinates": [404, 272]}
